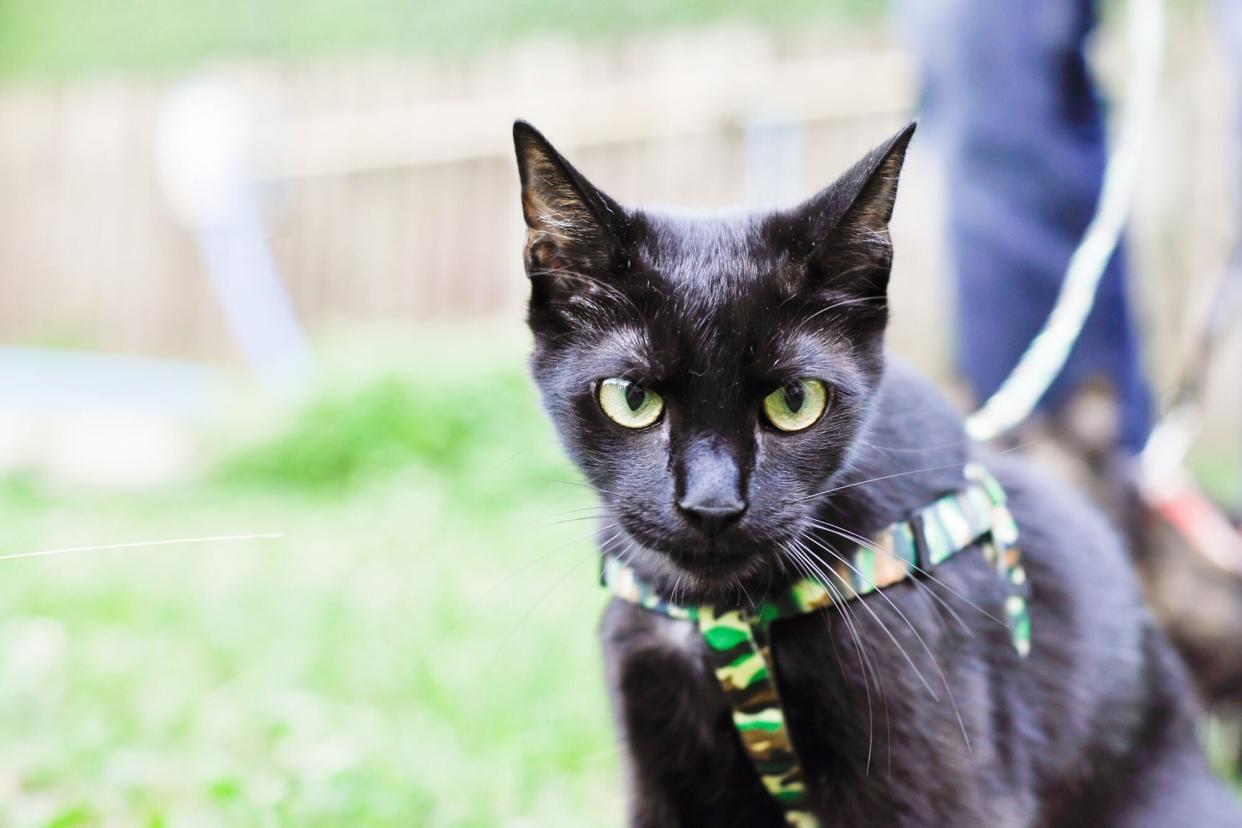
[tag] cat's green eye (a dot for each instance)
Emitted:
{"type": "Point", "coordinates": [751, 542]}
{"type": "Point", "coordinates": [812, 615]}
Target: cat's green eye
{"type": "Point", "coordinates": [797, 405]}
{"type": "Point", "coordinates": [629, 404]}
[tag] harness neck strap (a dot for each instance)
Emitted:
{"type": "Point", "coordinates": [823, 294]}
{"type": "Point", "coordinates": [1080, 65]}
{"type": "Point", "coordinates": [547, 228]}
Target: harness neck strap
{"type": "Point", "coordinates": [738, 641]}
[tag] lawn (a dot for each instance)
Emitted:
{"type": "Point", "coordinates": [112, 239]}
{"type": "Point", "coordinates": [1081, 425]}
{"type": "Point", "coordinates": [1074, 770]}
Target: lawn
{"type": "Point", "coordinates": [417, 650]}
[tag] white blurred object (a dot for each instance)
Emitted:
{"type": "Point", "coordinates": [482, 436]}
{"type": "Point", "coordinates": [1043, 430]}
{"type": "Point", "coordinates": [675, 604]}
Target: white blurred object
{"type": "Point", "coordinates": [110, 447]}
{"type": "Point", "coordinates": [87, 418]}
{"type": "Point", "coordinates": [204, 141]}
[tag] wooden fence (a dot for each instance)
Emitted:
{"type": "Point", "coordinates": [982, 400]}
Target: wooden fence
{"type": "Point", "coordinates": [388, 190]}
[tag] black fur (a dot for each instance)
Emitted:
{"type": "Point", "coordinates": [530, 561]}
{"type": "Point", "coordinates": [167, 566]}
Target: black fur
{"type": "Point", "coordinates": [714, 313]}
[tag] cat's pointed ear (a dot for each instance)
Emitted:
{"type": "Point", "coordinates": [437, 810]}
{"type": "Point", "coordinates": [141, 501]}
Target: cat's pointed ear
{"type": "Point", "coordinates": [572, 227]}
{"type": "Point", "coordinates": [843, 230]}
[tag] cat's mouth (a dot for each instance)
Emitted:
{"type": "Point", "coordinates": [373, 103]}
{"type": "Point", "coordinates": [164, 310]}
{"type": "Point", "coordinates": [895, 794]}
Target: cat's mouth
{"type": "Point", "coordinates": [710, 565]}
{"type": "Point", "coordinates": [710, 568]}
{"type": "Point", "coordinates": [696, 565]}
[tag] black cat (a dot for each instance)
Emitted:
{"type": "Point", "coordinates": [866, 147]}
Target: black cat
{"type": "Point", "coordinates": [722, 383]}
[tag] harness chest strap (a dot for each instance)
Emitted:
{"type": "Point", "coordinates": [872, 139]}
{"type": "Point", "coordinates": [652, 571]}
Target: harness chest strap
{"type": "Point", "coordinates": [738, 639]}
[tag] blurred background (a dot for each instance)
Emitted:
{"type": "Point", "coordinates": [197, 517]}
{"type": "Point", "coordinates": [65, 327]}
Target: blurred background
{"type": "Point", "coordinates": [260, 273]}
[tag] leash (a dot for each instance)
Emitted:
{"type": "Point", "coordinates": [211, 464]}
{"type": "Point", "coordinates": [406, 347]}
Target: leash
{"type": "Point", "coordinates": [1176, 428]}
{"type": "Point", "coordinates": [1044, 358]}
{"type": "Point", "coordinates": [739, 642]}
{"type": "Point", "coordinates": [1163, 484]}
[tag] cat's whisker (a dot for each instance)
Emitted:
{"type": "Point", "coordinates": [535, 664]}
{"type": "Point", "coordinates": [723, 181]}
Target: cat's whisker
{"type": "Point", "coordinates": [737, 582]}
{"type": "Point", "coordinates": [611, 539]}
{"type": "Point", "coordinates": [910, 661]}
{"type": "Point", "coordinates": [578, 483]}
{"type": "Point", "coordinates": [826, 575]}
{"type": "Point", "coordinates": [843, 487]}
{"type": "Point", "coordinates": [565, 516]}
{"type": "Point", "coordinates": [600, 756]}
{"type": "Point", "coordinates": [944, 605]}
{"type": "Point", "coordinates": [504, 642]}
{"type": "Point", "coordinates": [513, 630]}
{"type": "Point", "coordinates": [595, 284]}
{"type": "Point", "coordinates": [861, 541]}
{"type": "Point", "coordinates": [907, 473]}
{"type": "Point", "coordinates": [602, 513]}
{"type": "Point", "coordinates": [807, 566]}
{"type": "Point", "coordinates": [626, 555]}
{"type": "Point", "coordinates": [826, 579]}
{"type": "Point", "coordinates": [44, 553]}
{"type": "Point", "coordinates": [914, 630]}
{"type": "Point", "coordinates": [800, 568]}
{"type": "Point", "coordinates": [842, 304]}
{"type": "Point", "coordinates": [856, 538]}
{"type": "Point", "coordinates": [915, 449]}
{"type": "Point", "coordinates": [917, 582]}
{"type": "Point", "coordinates": [537, 559]}
{"type": "Point", "coordinates": [849, 614]}
{"type": "Point", "coordinates": [577, 510]}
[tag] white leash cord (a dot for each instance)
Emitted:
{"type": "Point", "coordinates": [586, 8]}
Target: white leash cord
{"type": "Point", "coordinates": [1045, 356]}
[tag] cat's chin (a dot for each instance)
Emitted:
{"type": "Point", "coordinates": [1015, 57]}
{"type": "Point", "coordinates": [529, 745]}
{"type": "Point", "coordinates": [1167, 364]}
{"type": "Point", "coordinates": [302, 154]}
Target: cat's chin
{"type": "Point", "coordinates": [724, 578]}
{"type": "Point", "coordinates": [714, 570]}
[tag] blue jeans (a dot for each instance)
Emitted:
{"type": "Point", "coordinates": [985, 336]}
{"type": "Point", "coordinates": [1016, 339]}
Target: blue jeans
{"type": "Point", "coordinates": [1008, 100]}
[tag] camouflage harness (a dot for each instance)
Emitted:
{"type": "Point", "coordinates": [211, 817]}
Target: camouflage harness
{"type": "Point", "coordinates": [738, 638]}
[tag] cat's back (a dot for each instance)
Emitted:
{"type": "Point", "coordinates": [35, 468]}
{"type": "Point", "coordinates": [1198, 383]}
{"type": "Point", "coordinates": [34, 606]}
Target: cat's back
{"type": "Point", "coordinates": [1101, 685]}
{"type": "Point", "coordinates": [1102, 681]}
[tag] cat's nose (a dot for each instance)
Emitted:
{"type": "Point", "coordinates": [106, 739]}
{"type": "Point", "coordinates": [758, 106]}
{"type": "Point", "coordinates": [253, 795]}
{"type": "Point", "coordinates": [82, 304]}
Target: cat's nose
{"type": "Point", "coordinates": [712, 518]}
{"type": "Point", "coordinates": [712, 486]}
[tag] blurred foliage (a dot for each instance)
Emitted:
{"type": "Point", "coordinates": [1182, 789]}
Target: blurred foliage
{"type": "Point", "coordinates": [1217, 471]}
{"type": "Point", "coordinates": [69, 37]}
{"type": "Point", "coordinates": [419, 649]}
{"type": "Point", "coordinates": [454, 420]}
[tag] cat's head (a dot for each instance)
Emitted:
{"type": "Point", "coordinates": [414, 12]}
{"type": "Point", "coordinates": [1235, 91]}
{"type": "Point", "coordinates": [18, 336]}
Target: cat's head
{"type": "Point", "coordinates": [708, 374]}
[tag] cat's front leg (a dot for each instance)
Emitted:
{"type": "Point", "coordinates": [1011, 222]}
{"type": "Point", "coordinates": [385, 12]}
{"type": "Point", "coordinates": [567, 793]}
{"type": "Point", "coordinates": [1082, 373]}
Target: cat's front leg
{"type": "Point", "coordinates": [656, 699]}
{"type": "Point", "coordinates": [648, 805]}
{"type": "Point", "coordinates": [686, 764]}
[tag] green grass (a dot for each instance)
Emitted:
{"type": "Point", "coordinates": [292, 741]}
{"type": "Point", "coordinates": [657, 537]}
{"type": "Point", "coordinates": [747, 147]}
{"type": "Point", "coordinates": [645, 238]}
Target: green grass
{"type": "Point", "coordinates": [71, 37]}
{"type": "Point", "coordinates": [418, 650]}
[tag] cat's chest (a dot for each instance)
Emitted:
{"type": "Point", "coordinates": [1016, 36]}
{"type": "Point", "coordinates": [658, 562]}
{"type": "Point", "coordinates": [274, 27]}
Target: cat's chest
{"type": "Point", "coordinates": [863, 731]}
{"type": "Point", "coordinates": [687, 763]}
{"type": "Point", "coordinates": [680, 727]}
{"type": "Point", "coordinates": [658, 666]}
{"type": "Point", "coordinates": [665, 664]}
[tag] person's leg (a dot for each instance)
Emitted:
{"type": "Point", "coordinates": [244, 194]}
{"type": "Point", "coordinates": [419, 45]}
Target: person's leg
{"type": "Point", "coordinates": [1009, 101]}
